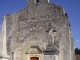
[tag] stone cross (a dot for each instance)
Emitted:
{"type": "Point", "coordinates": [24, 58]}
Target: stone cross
{"type": "Point", "coordinates": [52, 35]}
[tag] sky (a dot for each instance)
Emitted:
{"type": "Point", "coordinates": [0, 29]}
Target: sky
{"type": "Point", "coordinates": [72, 7]}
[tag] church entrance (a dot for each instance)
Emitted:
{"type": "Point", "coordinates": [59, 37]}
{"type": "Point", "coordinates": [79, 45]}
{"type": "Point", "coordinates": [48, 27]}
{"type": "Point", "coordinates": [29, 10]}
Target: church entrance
{"type": "Point", "coordinates": [34, 58]}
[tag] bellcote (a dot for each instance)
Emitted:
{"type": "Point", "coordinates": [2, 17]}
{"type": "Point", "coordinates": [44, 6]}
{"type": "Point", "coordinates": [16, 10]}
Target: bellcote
{"type": "Point", "coordinates": [31, 2]}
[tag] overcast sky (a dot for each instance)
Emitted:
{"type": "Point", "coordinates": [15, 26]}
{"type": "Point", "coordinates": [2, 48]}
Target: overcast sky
{"type": "Point", "coordinates": [72, 7]}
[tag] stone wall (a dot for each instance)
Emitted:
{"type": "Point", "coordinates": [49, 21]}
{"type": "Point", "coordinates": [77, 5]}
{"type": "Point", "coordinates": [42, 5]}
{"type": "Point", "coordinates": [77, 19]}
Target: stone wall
{"type": "Point", "coordinates": [77, 57]}
{"type": "Point", "coordinates": [31, 25]}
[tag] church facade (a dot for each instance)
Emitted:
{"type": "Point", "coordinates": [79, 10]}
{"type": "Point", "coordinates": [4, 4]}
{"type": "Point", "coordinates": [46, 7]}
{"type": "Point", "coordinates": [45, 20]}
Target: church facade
{"type": "Point", "coordinates": [40, 31]}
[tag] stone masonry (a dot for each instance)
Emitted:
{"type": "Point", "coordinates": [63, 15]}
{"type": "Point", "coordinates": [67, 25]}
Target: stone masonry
{"type": "Point", "coordinates": [41, 29]}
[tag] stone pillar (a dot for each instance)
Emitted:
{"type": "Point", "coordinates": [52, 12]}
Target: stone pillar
{"type": "Point", "coordinates": [3, 45]}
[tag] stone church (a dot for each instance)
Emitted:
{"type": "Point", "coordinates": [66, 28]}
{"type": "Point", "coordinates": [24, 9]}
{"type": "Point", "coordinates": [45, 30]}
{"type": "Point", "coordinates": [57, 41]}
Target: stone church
{"type": "Point", "coordinates": [40, 31]}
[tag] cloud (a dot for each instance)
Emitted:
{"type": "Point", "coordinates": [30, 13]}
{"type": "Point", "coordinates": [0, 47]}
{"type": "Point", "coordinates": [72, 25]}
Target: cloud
{"type": "Point", "coordinates": [78, 40]}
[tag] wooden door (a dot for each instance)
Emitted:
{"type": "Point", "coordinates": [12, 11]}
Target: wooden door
{"type": "Point", "coordinates": [34, 58]}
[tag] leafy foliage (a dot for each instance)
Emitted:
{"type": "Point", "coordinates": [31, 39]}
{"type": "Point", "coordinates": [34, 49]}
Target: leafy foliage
{"type": "Point", "coordinates": [77, 51]}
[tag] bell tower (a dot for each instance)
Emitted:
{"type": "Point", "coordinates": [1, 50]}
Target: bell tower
{"type": "Point", "coordinates": [32, 2]}
{"type": "Point", "coordinates": [44, 1]}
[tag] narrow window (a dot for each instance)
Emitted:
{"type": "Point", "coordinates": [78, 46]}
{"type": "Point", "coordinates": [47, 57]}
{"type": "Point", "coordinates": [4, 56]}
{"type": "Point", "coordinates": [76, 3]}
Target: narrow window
{"type": "Point", "coordinates": [37, 1]}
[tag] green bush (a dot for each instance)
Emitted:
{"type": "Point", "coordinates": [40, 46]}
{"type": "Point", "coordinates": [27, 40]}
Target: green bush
{"type": "Point", "coordinates": [77, 51]}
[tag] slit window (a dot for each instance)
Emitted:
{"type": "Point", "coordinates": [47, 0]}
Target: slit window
{"type": "Point", "coordinates": [37, 1]}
